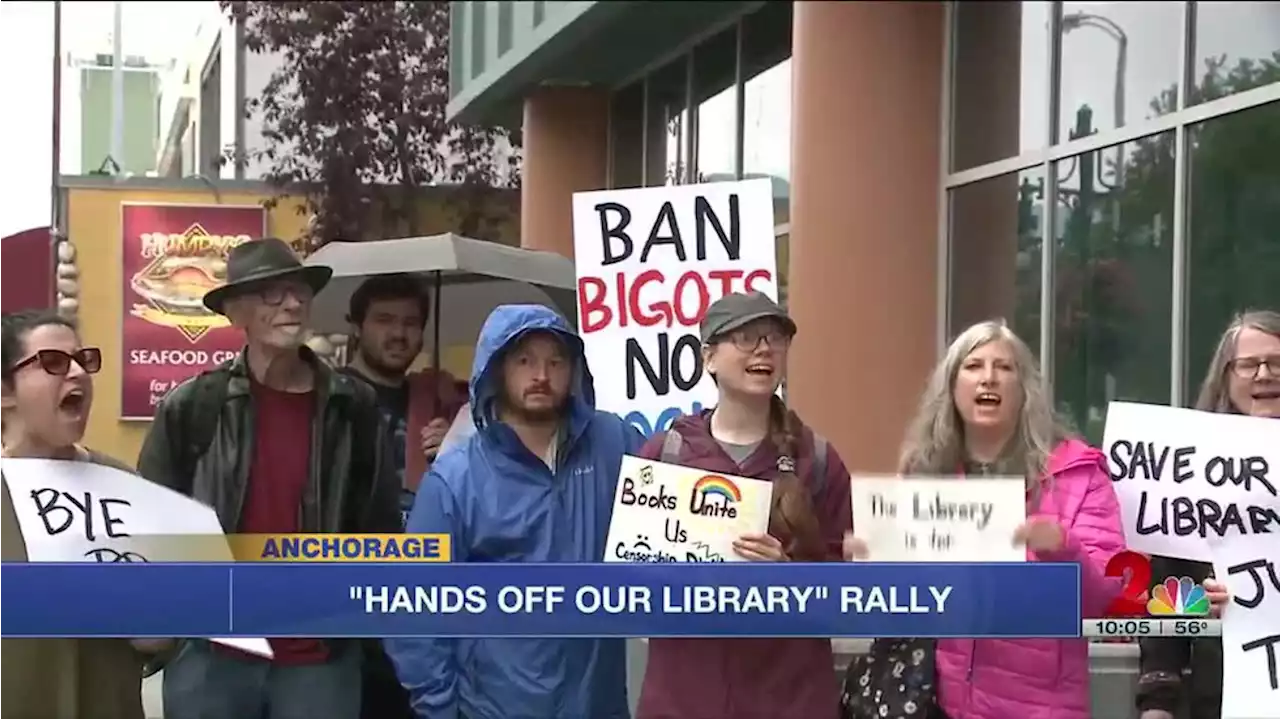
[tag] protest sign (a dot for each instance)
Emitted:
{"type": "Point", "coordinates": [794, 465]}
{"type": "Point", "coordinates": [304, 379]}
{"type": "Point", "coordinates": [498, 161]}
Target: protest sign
{"type": "Point", "coordinates": [1247, 563]}
{"type": "Point", "coordinates": [649, 263]}
{"type": "Point", "coordinates": [1184, 477]}
{"type": "Point", "coordinates": [666, 513]}
{"type": "Point", "coordinates": [88, 512]}
{"type": "Point", "coordinates": [939, 519]}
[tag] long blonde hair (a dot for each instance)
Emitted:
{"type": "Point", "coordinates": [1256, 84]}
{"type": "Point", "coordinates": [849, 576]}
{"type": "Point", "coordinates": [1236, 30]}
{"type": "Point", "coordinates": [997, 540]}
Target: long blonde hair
{"type": "Point", "coordinates": [1214, 396]}
{"type": "Point", "coordinates": [934, 443]}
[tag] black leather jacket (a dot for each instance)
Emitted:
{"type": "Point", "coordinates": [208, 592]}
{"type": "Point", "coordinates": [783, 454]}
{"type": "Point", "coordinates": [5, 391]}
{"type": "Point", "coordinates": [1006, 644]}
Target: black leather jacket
{"type": "Point", "coordinates": [353, 485]}
{"type": "Point", "coordinates": [1180, 675]}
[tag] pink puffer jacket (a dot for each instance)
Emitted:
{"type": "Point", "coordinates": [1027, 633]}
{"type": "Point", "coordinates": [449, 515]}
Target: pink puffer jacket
{"type": "Point", "coordinates": [1044, 678]}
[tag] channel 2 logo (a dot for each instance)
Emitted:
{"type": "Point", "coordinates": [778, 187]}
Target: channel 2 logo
{"type": "Point", "coordinates": [1172, 597]}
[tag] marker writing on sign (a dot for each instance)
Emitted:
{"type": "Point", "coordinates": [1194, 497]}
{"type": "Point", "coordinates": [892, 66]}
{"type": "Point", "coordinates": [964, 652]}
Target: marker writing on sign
{"type": "Point", "coordinates": [1265, 580]}
{"type": "Point", "coordinates": [672, 300]}
{"type": "Point", "coordinates": [60, 511]}
{"type": "Point", "coordinates": [1194, 514]}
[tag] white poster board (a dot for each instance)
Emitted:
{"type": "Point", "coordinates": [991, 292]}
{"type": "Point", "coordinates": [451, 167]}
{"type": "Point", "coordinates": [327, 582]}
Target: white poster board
{"type": "Point", "coordinates": [1184, 477]}
{"type": "Point", "coordinates": [87, 512]}
{"type": "Point", "coordinates": [953, 519]}
{"type": "Point", "coordinates": [649, 262]}
{"type": "Point", "coordinates": [1249, 564]}
{"type": "Point", "coordinates": [666, 513]}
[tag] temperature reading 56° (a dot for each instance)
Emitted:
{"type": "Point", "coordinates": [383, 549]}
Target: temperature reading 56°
{"type": "Point", "coordinates": [1193, 627]}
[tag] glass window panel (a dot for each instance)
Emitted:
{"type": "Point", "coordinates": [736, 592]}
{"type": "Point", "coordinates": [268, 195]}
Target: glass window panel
{"type": "Point", "coordinates": [666, 127]}
{"type": "Point", "coordinates": [1234, 227]}
{"type": "Point", "coordinates": [766, 110]}
{"type": "Point", "coordinates": [626, 130]}
{"type": "Point", "coordinates": [995, 253]}
{"type": "Point", "coordinates": [715, 96]}
{"type": "Point", "coordinates": [999, 94]}
{"type": "Point", "coordinates": [1119, 60]}
{"type": "Point", "coordinates": [767, 93]}
{"type": "Point", "coordinates": [1113, 279]}
{"type": "Point", "coordinates": [1237, 48]}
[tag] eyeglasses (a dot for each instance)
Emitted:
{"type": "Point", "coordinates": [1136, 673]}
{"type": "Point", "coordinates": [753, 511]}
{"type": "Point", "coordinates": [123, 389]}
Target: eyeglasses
{"type": "Point", "coordinates": [274, 294]}
{"type": "Point", "coordinates": [58, 363]}
{"type": "Point", "coordinates": [1249, 367]}
{"type": "Point", "coordinates": [747, 340]}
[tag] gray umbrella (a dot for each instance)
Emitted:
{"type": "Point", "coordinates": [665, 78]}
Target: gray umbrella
{"type": "Point", "coordinates": [469, 278]}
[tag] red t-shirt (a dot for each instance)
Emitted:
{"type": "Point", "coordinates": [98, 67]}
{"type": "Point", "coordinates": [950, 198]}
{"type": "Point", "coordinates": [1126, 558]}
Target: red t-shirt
{"type": "Point", "coordinates": [278, 474]}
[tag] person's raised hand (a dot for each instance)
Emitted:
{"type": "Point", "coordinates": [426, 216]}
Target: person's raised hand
{"type": "Point", "coordinates": [432, 435]}
{"type": "Point", "coordinates": [854, 548]}
{"type": "Point", "coordinates": [1041, 534]}
{"type": "Point", "coordinates": [1218, 596]}
{"type": "Point", "coordinates": [759, 548]}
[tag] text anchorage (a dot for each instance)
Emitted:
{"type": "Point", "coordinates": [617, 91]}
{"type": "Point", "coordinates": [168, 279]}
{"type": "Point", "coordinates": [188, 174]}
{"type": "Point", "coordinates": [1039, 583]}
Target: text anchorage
{"type": "Point", "coordinates": [1184, 516]}
{"type": "Point", "coordinates": [669, 358]}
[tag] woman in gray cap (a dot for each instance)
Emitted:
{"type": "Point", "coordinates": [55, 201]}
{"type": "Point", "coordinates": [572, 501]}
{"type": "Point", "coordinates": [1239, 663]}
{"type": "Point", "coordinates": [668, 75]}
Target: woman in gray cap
{"type": "Point", "coordinates": [751, 433]}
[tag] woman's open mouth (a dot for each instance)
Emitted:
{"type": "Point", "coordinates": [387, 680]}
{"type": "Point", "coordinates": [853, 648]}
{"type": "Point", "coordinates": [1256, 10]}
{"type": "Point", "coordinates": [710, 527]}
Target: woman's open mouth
{"type": "Point", "coordinates": [75, 402]}
{"type": "Point", "coordinates": [987, 399]}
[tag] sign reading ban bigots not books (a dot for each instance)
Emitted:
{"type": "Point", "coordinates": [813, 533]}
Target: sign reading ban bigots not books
{"type": "Point", "coordinates": [171, 256]}
{"type": "Point", "coordinates": [649, 263]}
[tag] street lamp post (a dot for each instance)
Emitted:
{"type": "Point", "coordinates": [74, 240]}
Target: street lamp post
{"type": "Point", "coordinates": [1078, 20]}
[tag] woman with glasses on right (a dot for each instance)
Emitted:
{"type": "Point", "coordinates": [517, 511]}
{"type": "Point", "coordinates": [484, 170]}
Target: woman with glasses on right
{"type": "Point", "coordinates": [1182, 677]}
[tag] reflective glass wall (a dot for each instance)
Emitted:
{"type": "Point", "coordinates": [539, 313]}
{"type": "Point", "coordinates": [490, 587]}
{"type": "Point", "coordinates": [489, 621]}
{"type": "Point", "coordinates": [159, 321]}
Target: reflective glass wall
{"type": "Point", "coordinates": [1141, 141]}
{"type": "Point", "coordinates": [738, 83]}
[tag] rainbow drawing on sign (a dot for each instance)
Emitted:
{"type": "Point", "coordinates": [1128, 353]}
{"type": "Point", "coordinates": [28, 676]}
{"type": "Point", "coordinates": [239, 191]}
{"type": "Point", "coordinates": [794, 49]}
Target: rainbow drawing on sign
{"type": "Point", "coordinates": [719, 486]}
{"type": "Point", "coordinates": [1178, 596]}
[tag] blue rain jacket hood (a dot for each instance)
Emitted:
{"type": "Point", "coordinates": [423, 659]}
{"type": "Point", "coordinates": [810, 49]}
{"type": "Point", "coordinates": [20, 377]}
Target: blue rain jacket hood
{"type": "Point", "coordinates": [500, 503]}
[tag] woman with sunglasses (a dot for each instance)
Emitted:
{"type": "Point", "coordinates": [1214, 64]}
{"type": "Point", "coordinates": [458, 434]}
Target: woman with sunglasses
{"type": "Point", "coordinates": [47, 395]}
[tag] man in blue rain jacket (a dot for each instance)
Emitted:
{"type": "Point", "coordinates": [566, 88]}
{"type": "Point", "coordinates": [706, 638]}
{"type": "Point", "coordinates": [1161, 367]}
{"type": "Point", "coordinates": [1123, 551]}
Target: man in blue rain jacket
{"type": "Point", "coordinates": [535, 483]}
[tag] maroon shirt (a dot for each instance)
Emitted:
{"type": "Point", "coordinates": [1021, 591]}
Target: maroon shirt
{"type": "Point", "coordinates": [278, 474]}
{"type": "Point", "coordinates": [749, 678]}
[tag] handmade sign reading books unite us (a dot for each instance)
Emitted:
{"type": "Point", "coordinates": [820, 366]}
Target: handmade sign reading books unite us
{"type": "Point", "coordinates": [666, 513]}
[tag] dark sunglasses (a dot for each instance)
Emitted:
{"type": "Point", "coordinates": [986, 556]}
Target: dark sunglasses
{"type": "Point", "coordinates": [58, 363]}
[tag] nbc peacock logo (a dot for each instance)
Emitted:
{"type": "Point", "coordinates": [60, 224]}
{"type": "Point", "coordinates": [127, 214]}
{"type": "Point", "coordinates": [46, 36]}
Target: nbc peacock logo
{"type": "Point", "coordinates": [1178, 597]}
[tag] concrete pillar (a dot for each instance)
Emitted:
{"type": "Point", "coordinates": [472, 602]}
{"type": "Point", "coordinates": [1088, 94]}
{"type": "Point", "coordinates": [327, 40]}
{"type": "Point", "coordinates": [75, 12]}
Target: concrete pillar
{"type": "Point", "coordinates": [566, 150]}
{"type": "Point", "coordinates": [867, 88]}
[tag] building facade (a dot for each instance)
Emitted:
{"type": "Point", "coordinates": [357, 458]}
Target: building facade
{"type": "Point", "coordinates": [91, 83]}
{"type": "Point", "coordinates": [1104, 176]}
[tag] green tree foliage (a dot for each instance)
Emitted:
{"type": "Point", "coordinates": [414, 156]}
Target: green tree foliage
{"type": "Point", "coordinates": [356, 115]}
{"type": "Point", "coordinates": [1113, 269]}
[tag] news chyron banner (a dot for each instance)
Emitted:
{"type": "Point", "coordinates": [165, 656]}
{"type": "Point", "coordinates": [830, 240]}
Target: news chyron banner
{"type": "Point", "coordinates": [171, 255]}
{"type": "Point", "coordinates": [621, 599]}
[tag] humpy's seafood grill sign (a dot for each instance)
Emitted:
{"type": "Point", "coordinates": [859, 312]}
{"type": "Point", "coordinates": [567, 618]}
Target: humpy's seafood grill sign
{"type": "Point", "coordinates": [172, 256]}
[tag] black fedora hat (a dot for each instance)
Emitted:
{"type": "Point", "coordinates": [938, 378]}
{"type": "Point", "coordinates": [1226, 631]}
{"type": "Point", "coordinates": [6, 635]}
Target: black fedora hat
{"type": "Point", "coordinates": [257, 261]}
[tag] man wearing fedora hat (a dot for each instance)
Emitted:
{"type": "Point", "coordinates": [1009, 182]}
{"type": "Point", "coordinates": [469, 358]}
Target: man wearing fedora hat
{"type": "Point", "coordinates": [276, 442]}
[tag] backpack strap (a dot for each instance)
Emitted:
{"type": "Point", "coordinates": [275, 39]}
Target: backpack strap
{"type": "Point", "coordinates": [671, 445]}
{"type": "Point", "coordinates": [819, 463]}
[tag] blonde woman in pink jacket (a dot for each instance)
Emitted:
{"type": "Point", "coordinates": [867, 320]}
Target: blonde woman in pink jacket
{"type": "Point", "coordinates": [986, 411]}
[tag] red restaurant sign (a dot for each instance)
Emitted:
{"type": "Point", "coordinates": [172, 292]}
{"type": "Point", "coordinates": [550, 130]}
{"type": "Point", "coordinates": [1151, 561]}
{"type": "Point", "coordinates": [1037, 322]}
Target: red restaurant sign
{"type": "Point", "coordinates": [172, 256]}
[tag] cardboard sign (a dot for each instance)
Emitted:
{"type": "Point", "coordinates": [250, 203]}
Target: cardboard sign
{"type": "Point", "coordinates": [1249, 564]}
{"type": "Point", "coordinates": [951, 519]}
{"type": "Point", "coordinates": [87, 512]}
{"type": "Point", "coordinates": [649, 263]}
{"type": "Point", "coordinates": [1185, 477]}
{"type": "Point", "coordinates": [666, 513]}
